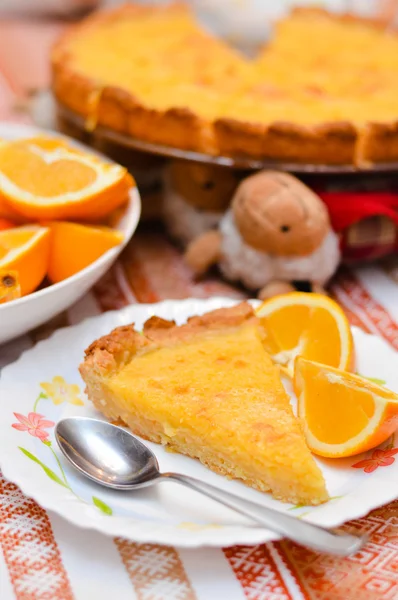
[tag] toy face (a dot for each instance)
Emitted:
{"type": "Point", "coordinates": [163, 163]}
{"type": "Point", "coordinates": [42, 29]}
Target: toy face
{"type": "Point", "coordinates": [277, 214]}
{"type": "Point", "coordinates": [204, 187]}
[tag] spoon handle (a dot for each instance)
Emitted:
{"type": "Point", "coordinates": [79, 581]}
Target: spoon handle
{"type": "Point", "coordinates": [299, 531]}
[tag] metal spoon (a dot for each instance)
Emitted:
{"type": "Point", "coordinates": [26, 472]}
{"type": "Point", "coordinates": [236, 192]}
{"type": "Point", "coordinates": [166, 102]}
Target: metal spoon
{"type": "Point", "coordinates": [113, 457]}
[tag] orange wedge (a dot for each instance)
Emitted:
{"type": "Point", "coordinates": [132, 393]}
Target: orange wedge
{"type": "Point", "coordinates": [45, 178]}
{"type": "Point", "coordinates": [342, 414]}
{"type": "Point", "coordinates": [26, 250]}
{"type": "Point", "coordinates": [74, 247]}
{"type": "Point", "coordinates": [10, 288]}
{"type": "Point", "coordinates": [308, 325]}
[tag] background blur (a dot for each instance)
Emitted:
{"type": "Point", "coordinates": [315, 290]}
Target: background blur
{"type": "Point", "coordinates": [271, 8]}
{"type": "Point", "coordinates": [235, 20]}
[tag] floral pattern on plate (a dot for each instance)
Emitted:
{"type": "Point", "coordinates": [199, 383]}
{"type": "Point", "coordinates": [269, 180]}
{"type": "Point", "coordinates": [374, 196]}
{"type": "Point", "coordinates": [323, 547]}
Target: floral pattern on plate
{"type": "Point", "coordinates": [58, 391]}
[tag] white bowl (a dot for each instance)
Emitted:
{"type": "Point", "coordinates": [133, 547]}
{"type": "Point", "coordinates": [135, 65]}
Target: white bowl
{"type": "Point", "coordinates": [19, 316]}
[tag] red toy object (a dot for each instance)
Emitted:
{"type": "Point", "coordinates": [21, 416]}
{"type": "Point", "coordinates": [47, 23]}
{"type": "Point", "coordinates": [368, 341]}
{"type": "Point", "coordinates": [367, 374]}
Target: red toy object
{"type": "Point", "coordinates": [367, 222]}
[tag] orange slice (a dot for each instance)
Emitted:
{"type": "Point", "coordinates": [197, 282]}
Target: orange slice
{"type": "Point", "coordinates": [45, 178]}
{"type": "Point", "coordinates": [6, 224]}
{"type": "Point", "coordinates": [342, 414]}
{"type": "Point", "coordinates": [74, 247]}
{"type": "Point", "coordinates": [309, 325]}
{"type": "Point", "coordinates": [26, 250]}
{"type": "Point", "coordinates": [10, 288]}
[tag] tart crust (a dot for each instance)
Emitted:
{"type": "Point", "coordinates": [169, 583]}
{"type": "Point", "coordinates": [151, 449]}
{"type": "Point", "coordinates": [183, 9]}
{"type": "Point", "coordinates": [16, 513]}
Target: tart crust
{"type": "Point", "coordinates": [107, 355]}
{"type": "Point", "coordinates": [113, 107]}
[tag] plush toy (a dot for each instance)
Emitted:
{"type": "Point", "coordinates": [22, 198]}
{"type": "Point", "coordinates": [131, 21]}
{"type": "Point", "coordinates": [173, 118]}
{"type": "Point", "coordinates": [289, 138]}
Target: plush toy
{"type": "Point", "coordinates": [196, 197]}
{"type": "Point", "coordinates": [276, 232]}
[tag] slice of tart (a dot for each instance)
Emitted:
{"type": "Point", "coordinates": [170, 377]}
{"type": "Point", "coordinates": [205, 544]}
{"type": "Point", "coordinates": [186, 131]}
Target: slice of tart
{"type": "Point", "coordinates": [209, 390]}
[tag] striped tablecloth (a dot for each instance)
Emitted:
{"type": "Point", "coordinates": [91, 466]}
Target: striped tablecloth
{"type": "Point", "coordinates": [42, 557]}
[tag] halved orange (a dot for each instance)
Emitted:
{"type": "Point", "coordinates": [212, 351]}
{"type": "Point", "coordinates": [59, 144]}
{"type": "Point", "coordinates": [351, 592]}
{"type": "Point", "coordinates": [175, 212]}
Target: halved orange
{"type": "Point", "coordinates": [26, 250]}
{"type": "Point", "coordinates": [342, 414]}
{"type": "Point", "coordinates": [45, 178]}
{"type": "Point", "coordinates": [308, 325]}
{"type": "Point", "coordinates": [6, 212]}
{"type": "Point", "coordinates": [10, 288]}
{"type": "Point", "coordinates": [75, 246]}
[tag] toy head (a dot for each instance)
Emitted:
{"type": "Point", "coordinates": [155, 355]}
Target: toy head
{"type": "Point", "coordinates": [205, 187]}
{"type": "Point", "coordinates": [277, 214]}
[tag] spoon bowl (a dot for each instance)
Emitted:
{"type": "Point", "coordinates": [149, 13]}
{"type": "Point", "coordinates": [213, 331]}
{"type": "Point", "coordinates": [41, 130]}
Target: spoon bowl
{"type": "Point", "coordinates": [107, 454]}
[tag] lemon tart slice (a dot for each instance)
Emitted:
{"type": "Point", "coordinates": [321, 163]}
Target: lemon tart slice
{"type": "Point", "coordinates": [209, 390]}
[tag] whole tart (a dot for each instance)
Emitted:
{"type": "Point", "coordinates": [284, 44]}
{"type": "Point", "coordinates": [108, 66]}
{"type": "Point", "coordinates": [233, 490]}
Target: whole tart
{"type": "Point", "coordinates": [322, 91]}
{"type": "Point", "coordinates": [209, 390]}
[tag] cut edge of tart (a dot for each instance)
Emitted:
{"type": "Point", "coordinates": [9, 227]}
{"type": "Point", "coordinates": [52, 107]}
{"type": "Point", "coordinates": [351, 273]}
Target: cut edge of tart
{"type": "Point", "coordinates": [204, 108]}
{"type": "Point", "coordinates": [209, 390]}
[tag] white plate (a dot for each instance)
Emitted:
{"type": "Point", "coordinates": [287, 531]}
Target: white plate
{"type": "Point", "coordinates": [167, 513]}
{"type": "Point", "coordinates": [19, 316]}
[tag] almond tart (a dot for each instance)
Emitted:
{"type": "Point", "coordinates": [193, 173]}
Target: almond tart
{"type": "Point", "coordinates": [322, 91]}
{"type": "Point", "coordinates": [209, 390]}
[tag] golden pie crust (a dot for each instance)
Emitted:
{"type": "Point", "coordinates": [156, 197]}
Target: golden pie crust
{"type": "Point", "coordinates": [184, 88]}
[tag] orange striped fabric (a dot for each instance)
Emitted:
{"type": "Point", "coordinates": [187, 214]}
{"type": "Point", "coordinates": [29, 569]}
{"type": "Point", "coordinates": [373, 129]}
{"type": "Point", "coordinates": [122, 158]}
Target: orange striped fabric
{"type": "Point", "coordinates": [31, 553]}
{"type": "Point", "coordinates": [152, 568]}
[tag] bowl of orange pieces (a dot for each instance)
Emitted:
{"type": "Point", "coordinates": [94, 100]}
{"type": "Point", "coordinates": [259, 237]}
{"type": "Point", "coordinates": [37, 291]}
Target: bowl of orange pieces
{"type": "Point", "coordinates": [66, 213]}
